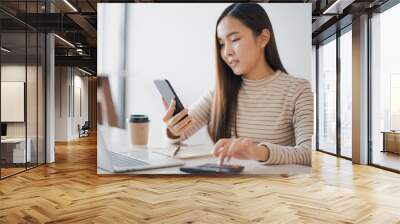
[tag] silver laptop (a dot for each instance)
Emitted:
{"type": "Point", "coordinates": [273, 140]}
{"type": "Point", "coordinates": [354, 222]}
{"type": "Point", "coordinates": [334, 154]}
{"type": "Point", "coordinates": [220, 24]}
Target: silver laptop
{"type": "Point", "coordinates": [111, 114]}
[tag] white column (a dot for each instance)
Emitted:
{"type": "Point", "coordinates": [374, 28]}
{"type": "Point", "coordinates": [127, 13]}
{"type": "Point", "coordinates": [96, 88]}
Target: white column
{"type": "Point", "coordinates": [50, 99]}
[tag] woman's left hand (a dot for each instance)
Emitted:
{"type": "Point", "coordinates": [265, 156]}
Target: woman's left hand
{"type": "Point", "coordinates": [240, 148]}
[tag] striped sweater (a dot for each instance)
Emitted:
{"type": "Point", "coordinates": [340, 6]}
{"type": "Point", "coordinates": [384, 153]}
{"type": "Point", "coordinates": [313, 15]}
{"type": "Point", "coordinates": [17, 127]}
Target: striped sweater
{"type": "Point", "coordinates": [276, 112]}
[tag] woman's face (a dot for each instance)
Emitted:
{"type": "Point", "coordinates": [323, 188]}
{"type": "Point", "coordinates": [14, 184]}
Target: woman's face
{"type": "Point", "coordinates": [239, 48]}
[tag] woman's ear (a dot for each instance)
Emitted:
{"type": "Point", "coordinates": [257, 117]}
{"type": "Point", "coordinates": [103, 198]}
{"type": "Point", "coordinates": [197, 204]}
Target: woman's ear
{"type": "Point", "coordinates": [263, 38]}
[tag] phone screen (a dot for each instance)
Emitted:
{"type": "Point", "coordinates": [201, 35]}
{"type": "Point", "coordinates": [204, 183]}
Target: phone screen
{"type": "Point", "coordinates": [168, 94]}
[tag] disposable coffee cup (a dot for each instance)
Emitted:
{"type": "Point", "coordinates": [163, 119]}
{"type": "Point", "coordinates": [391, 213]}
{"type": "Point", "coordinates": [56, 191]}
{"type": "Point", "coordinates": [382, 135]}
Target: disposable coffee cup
{"type": "Point", "coordinates": [139, 128]}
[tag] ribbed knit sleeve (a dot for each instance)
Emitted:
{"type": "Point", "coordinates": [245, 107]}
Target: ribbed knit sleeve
{"type": "Point", "coordinates": [200, 112]}
{"type": "Point", "coordinates": [303, 123]}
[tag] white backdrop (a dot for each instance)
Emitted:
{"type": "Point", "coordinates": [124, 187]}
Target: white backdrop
{"type": "Point", "coordinates": [176, 42]}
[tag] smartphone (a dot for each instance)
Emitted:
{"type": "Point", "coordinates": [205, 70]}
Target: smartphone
{"type": "Point", "coordinates": [168, 94]}
{"type": "Point", "coordinates": [212, 168]}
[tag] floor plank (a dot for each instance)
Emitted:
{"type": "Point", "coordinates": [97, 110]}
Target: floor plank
{"type": "Point", "coordinates": [70, 191]}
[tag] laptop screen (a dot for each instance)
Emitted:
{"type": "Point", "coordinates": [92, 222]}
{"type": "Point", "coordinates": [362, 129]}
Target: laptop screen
{"type": "Point", "coordinates": [111, 101]}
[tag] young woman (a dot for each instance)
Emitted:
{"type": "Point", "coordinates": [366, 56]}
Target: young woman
{"type": "Point", "coordinates": [257, 111]}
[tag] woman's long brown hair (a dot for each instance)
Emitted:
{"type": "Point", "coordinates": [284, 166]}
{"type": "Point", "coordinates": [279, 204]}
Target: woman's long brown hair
{"type": "Point", "coordinates": [224, 106]}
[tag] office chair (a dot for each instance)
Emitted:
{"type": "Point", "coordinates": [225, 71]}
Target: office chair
{"type": "Point", "coordinates": [84, 130]}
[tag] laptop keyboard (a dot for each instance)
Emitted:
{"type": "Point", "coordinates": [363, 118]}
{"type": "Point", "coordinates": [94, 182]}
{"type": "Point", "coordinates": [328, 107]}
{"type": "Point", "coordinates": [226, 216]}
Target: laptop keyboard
{"type": "Point", "coordinates": [125, 161]}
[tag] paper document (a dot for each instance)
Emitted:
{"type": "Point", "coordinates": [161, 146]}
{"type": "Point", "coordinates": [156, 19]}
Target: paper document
{"type": "Point", "coordinates": [186, 152]}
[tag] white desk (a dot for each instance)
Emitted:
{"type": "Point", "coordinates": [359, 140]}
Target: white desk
{"type": "Point", "coordinates": [251, 167]}
{"type": "Point", "coordinates": [19, 149]}
{"type": "Point", "coordinates": [119, 140]}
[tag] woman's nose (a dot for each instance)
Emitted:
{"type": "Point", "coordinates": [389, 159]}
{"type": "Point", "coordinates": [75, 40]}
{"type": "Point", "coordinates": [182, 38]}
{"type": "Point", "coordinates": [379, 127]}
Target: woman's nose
{"type": "Point", "coordinates": [228, 51]}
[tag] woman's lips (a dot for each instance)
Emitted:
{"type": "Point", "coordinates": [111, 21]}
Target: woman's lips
{"type": "Point", "coordinates": [233, 63]}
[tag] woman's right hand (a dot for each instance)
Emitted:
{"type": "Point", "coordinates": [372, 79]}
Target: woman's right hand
{"type": "Point", "coordinates": [176, 126]}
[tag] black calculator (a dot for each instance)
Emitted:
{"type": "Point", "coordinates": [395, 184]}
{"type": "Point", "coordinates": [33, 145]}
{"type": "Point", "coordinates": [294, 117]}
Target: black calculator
{"type": "Point", "coordinates": [212, 168]}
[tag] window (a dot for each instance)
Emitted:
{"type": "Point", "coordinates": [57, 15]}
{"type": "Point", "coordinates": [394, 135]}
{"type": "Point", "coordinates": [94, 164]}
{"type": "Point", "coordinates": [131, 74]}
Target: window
{"type": "Point", "coordinates": [327, 97]}
{"type": "Point", "coordinates": [394, 102]}
{"type": "Point", "coordinates": [346, 94]}
{"type": "Point", "coordinates": [385, 89]}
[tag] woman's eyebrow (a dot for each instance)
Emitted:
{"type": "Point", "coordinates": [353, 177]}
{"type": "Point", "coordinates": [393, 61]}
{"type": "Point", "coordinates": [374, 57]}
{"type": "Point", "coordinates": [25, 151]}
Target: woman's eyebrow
{"type": "Point", "coordinates": [229, 34]}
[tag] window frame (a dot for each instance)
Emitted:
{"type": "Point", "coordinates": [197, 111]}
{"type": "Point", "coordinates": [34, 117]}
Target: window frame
{"type": "Point", "coordinates": [334, 37]}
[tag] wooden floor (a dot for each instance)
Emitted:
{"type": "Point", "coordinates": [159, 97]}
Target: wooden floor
{"type": "Point", "coordinates": [9, 171]}
{"type": "Point", "coordinates": [70, 191]}
{"type": "Point", "coordinates": [5, 172]}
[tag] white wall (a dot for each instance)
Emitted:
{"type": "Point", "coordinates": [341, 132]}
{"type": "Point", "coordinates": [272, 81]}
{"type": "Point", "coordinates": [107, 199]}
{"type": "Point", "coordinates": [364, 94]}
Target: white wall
{"type": "Point", "coordinates": [80, 83]}
{"type": "Point", "coordinates": [176, 41]}
{"type": "Point", "coordinates": [68, 81]}
{"type": "Point", "coordinates": [61, 103]}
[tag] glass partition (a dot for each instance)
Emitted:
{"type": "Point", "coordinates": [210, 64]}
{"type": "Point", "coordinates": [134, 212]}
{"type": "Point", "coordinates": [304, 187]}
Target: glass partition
{"type": "Point", "coordinates": [22, 77]}
{"type": "Point", "coordinates": [13, 105]}
{"type": "Point", "coordinates": [34, 51]}
{"type": "Point", "coordinates": [41, 96]}
{"type": "Point", "coordinates": [31, 99]}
